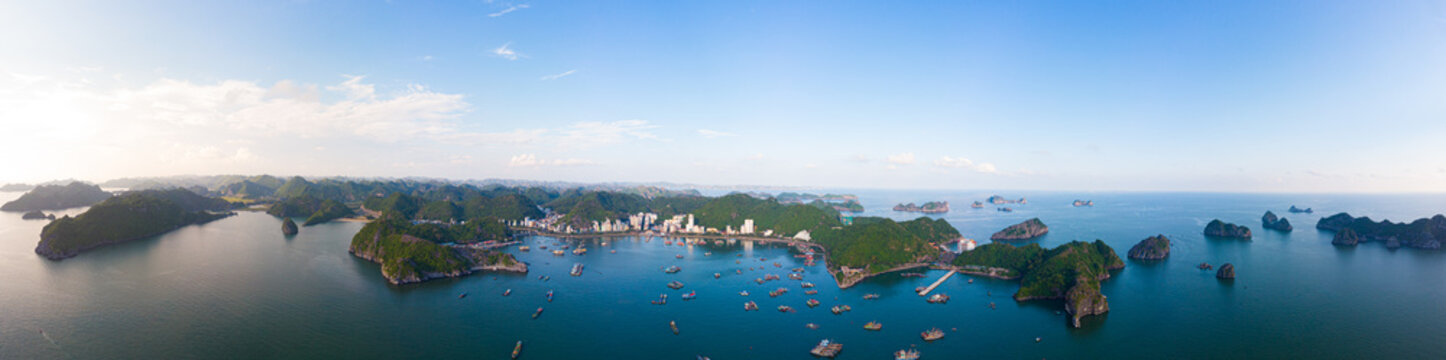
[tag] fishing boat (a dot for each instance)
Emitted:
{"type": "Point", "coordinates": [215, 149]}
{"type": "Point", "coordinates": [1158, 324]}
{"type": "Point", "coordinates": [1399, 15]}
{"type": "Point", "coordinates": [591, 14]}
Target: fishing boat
{"type": "Point", "coordinates": [674, 325]}
{"type": "Point", "coordinates": [690, 295]}
{"type": "Point", "coordinates": [770, 277]}
{"type": "Point", "coordinates": [549, 296]}
{"type": "Point", "coordinates": [938, 298]}
{"type": "Point", "coordinates": [871, 296]}
{"type": "Point", "coordinates": [991, 305]}
{"type": "Point", "coordinates": [524, 248]}
{"type": "Point", "coordinates": [576, 269]}
{"type": "Point", "coordinates": [785, 308]}
{"type": "Point", "coordinates": [758, 280]}
{"type": "Point", "coordinates": [679, 256]}
{"type": "Point", "coordinates": [707, 253]}
{"type": "Point", "coordinates": [873, 326]}
{"type": "Point", "coordinates": [672, 269]}
{"type": "Point", "coordinates": [612, 251]}
{"type": "Point", "coordinates": [932, 334]}
{"type": "Point", "coordinates": [811, 302]}
{"type": "Point", "coordinates": [826, 349]}
{"type": "Point", "coordinates": [662, 300]}
{"type": "Point", "coordinates": [811, 326]}
{"type": "Point", "coordinates": [717, 275]}
{"type": "Point", "coordinates": [777, 265]}
{"type": "Point", "coordinates": [558, 253]}
{"type": "Point", "coordinates": [517, 350]}
{"type": "Point", "coordinates": [546, 277]}
{"type": "Point", "coordinates": [750, 306]}
{"type": "Point", "coordinates": [579, 251]}
{"type": "Point", "coordinates": [604, 243]}
{"type": "Point", "coordinates": [738, 271]}
{"type": "Point", "coordinates": [908, 354]}
{"type": "Point", "coordinates": [743, 293]}
{"type": "Point", "coordinates": [565, 247]}
{"type": "Point", "coordinates": [795, 276]}
{"type": "Point", "coordinates": [836, 310]}
{"type": "Point", "coordinates": [508, 292]}
{"type": "Point", "coordinates": [463, 295]}
{"type": "Point", "coordinates": [971, 281]}
{"type": "Point", "coordinates": [538, 313]}
{"type": "Point", "coordinates": [675, 284]}
{"type": "Point", "coordinates": [544, 247]}
{"type": "Point", "coordinates": [806, 284]}
{"type": "Point", "coordinates": [667, 242]}
{"type": "Point", "coordinates": [797, 269]}
{"type": "Point", "coordinates": [810, 292]}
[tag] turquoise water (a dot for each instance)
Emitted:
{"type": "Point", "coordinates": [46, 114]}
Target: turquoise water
{"type": "Point", "coordinates": [236, 288]}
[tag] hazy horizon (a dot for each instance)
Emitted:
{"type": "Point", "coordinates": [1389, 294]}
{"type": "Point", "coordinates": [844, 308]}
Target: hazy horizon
{"type": "Point", "coordinates": [1239, 97]}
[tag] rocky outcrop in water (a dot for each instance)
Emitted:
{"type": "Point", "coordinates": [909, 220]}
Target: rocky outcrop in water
{"type": "Point", "coordinates": [1227, 272]}
{"type": "Point", "coordinates": [1085, 299]}
{"type": "Point", "coordinates": [1299, 210]}
{"type": "Point", "coordinates": [1270, 221]}
{"type": "Point", "coordinates": [1152, 248]}
{"type": "Point", "coordinates": [1223, 229]}
{"type": "Point", "coordinates": [1426, 233]}
{"type": "Point", "coordinates": [1026, 230]}
{"type": "Point", "coordinates": [1346, 237]}
{"type": "Point", "coordinates": [288, 227]}
{"type": "Point", "coordinates": [36, 215]}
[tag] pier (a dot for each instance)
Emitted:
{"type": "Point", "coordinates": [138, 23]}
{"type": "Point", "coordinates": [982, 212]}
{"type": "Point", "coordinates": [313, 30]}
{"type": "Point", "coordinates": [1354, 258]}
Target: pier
{"type": "Point", "coordinates": [937, 282]}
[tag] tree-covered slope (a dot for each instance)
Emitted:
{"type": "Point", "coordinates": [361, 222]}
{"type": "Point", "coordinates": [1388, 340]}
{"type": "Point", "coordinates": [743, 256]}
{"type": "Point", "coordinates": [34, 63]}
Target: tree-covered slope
{"type": "Point", "coordinates": [56, 197]}
{"type": "Point", "coordinates": [128, 217]}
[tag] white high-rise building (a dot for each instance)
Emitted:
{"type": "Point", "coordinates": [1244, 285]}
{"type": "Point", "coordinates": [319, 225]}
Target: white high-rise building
{"type": "Point", "coordinates": [747, 227]}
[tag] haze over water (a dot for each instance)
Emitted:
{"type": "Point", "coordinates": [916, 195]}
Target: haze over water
{"type": "Point", "coordinates": [236, 288]}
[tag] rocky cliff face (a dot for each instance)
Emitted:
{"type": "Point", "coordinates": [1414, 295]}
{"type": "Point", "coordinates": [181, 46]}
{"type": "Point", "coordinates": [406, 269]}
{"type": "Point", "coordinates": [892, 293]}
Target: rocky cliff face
{"type": "Point", "coordinates": [288, 227]}
{"type": "Point", "coordinates": [1346, 237]}
{"type": "Point", "coordinates": [1270, 221]}
{"type": "Point", "coordinates": [1223, 229]}
{"type": "Point", "coordinates": [1026, 230]}
{"type": "Point", "coordinates": [37, 215]}
{"type": "Point", "coordinates": [1152, 248]}
{"type": "Point", "coordinates": [1085, 299]}
{"type": "Point", "coordinates": [1226, 272]}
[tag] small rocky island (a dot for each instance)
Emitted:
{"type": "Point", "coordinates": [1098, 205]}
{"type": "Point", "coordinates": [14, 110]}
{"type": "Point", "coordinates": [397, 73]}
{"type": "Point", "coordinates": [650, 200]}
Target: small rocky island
{"type": "Point", "coordinates": [1152, 248]}
{"type": "Point", "coordinates": [1223, 229]}
{"type": "Point", "coordinates": [932, 207]}
{"type": "Point", "coordinates": [412, 253]}
{"type": "Point", "coordinates": [56, 197]}
{"type": "Point", "coordinates": [1079, 203]}
{"type": "Point", "coordinates": [288, 227]}
{"type": "Point", "coordinates": [1299, 210]}
{"type": "Point", "coordinates": [1426, 233]}
{"type": "Point", "coordinates": [1270, 221]}
{"type": "Point", "coordinates": [1071, 272]}
{"type": "Point", "coordinates": [132, 216]}
{"type": "Point", "coordinates": [1227, 272]}
{"type": "Point", "coordinates": [1026, 230]}
{"type": "Point", "coordinates": [37, 215]}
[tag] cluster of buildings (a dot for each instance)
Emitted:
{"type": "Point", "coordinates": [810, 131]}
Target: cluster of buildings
{"type": "Point", "coordinates": [677, 224]}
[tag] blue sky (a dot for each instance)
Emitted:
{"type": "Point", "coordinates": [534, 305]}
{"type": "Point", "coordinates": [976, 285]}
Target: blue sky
{"type": "Point", "coordinates": [1121, 95]}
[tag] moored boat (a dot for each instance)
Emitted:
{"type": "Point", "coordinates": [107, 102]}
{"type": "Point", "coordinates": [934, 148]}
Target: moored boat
{"type": "Point", "coordinates": [538, 313]}
{"type": "Point", "coordinates": [932, 334]}
{"type": "Point", "coordinates": [717, 275]}
{"type": "Point", "coordinates": [576, 269]}
{"type": "Point", "coordinates": [675, 284]}
{"type": "Point", "coordinates": [517, 350]}
{"type": "Point", "coordinates": [873, 326]}
{"type": "Point", "coordinates": [871, 296]}
{"type": "Point", "coordinates": [785, 308]}
{"type": "Point", "coordinates": [674, 325]}
{"type": "Point", "coordinates": [743, 293]}
{"type": "Point", "coordinates": [795, 276]}
{"type": "Point", "coordinates": [750, 306]}
{"type": "Point", "coordinates": [826, 349]}
{"type": "Point", "coordinates": [806, 284]}
{"type": "Point", "coordinates": [662, 300]}
{"type": "Point", "coordinates": [557, 253]}
{"type": "Point", "coordinates": [508, 292]}
{"type": "Point", "coordinates": [811, 302]}
{"type": "Point", "coordinates": [524, 248]}
{"type": "Point", "coordinates": [690, 295]}
{"type": "Point", "coordinates": [549, 296]}
{"type": "Point", "coordinates": [938, 298]}
{"type": "Point", "coordinates": [810, 292]}
{"type": "Point", "coordinates": [672, 269]}
{"type": "Point", "coordinates": [908, 354]}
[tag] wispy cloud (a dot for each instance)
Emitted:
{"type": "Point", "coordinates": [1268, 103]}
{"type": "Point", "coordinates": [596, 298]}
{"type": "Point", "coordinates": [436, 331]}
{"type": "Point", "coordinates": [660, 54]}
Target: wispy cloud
{"type": "Point", "coordinates": [559, 75]}
{"type": "Point", "coordinates": [964, 163]}
{"type": "Point", "coordinates": [714, 133]}
{"type": "Point", "coordinates": [902, 159]}
{"type": "Point", "coordinates": [506, 52]}
{"type": "Point", "coordinates": [531, 160]}
{"type": "Point", "coordinates": [510, 9]}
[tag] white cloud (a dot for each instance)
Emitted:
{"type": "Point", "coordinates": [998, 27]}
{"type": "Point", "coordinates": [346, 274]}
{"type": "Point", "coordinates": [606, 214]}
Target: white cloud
{"type": "Point", "coordinates": [964, 163]}
{"type": "Point", "coordinates": [531, 160]}
{"type": "Point", "coordinates": [505, 51]}
{"type": "Point", "coordinates": [508, 10]}
{"type": "Point", "coordinates": [714, 133]}
{"type": "Point", "coordinates": [595, 133]}
{"type": "Point", "coordinates": [559, 75]}
{"type": "Point", "coordinates": [902, 159]}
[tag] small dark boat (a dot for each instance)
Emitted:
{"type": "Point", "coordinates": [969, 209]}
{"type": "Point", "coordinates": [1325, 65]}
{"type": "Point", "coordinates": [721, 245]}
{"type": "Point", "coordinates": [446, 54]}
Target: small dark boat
{"type": "Point", "coordinates": [674, 325]}
{"type": "Point", "coordinates": [463, 295]}
{"type": "Point", "coordinates": [549, 296]}
{"type": "Point", "coordinates": [662, 300]}
{"type": "Point", "coordinates": [538, 313]}
{"type": "Point", "coordinates": [508, 292]}
{"type": "Point", "coordinates": [517, 350]}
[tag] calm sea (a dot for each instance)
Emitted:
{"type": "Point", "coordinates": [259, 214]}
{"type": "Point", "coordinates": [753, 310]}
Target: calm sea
{"type": "Point", "coordinates": [237, 288]}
